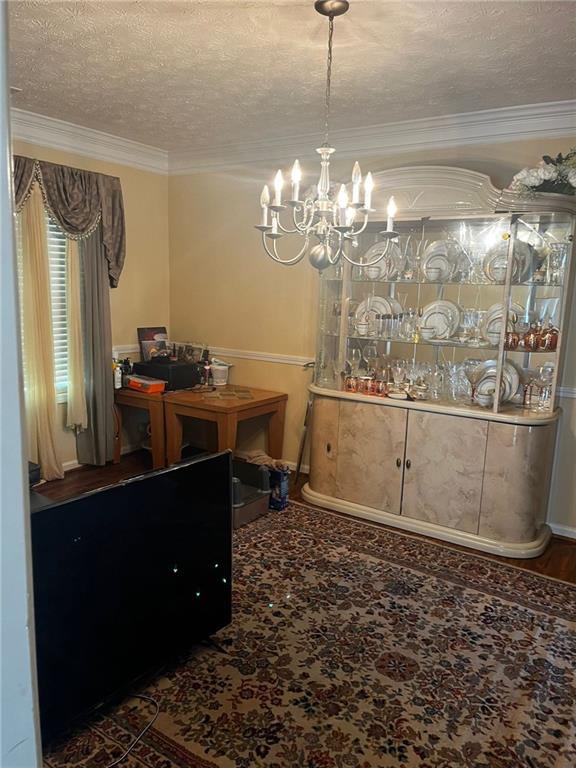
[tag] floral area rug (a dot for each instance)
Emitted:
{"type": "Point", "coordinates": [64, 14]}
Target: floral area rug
{"type": "Point", "coordinates": [353, 645]}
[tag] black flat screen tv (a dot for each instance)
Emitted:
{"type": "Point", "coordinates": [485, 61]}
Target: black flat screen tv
{"type": "Point", "coordinates": [126, 578]}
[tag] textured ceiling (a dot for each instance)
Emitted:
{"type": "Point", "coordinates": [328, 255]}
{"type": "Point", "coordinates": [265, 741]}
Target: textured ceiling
{"type": "Point", "coordinates": [184, 75]}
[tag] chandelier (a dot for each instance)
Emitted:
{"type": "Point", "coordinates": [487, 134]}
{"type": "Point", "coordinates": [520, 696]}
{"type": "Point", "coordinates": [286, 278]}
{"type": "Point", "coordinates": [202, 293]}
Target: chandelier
{"type": "Point", "coordinates": [333, 220]}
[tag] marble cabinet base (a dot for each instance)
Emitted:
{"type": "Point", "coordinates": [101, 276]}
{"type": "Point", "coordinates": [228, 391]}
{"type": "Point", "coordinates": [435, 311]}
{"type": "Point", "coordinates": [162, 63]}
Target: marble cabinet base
{"type": "Point", "coordinates": [522, 550]}
{"type": "Point", "coordinates": [476, 482]}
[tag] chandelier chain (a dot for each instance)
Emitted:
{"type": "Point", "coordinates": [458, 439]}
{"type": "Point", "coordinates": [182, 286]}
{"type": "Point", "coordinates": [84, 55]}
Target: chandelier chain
{"type": "Point", "coordinates": [328, 79]}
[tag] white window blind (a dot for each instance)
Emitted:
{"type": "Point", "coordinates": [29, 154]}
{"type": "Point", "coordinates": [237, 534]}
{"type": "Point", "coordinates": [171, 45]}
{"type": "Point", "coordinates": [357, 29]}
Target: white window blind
{"type": "Point", "coordinates": [57, 263]}
{"type": "Point", "coordinates": [57, 258]}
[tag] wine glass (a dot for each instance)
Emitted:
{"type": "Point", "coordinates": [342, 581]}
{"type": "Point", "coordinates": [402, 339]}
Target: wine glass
{"type": "Point", "coordinates": [355, 360]}
{"type": "Point", "coordinates": [527, 376]}
{"type": "Point", "coordinates": [473, 372]}
{"type": "Point", "coordinates": [370, 354]}
{"type": "Point", "coordinates": [543, 382]}
{"type": "Point", "coordinates": [398, 373]}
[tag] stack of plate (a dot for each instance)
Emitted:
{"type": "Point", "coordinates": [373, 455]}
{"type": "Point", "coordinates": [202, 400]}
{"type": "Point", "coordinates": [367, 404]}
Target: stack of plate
{"type": "Point", "coordinates": [377, 305]}
{"type": "Point", "coordinates": [446, 255]}
{"type": "Point", "coordinates": [443, 316]}
{"type": "Point", "coordinates": [392, 265]}
{"type": "Point", "coordinates": [492, 322]}
{"type": "Point", "coordinates": [523, 261]}
{"type": "Point", "coordinates": [487, 382]}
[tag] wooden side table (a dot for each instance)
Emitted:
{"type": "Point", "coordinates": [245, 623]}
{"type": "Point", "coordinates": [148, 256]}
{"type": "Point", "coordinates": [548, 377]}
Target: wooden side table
{"type": "Point", "coordinates": [225, 413]}
{"type": "Point", "coordinates": [154, 404]}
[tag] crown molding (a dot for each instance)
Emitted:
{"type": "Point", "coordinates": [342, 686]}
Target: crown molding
{"type": "Point", "coordinates": [58, 134]}
{"type": "Point", "coordinates": [492, 126]}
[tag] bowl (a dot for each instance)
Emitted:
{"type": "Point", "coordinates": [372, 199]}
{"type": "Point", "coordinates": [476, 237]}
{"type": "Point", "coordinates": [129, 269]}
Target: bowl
{"type": "Point", "coordinates": [372, 273]}
{"type": "Point", "coordinates": [434, 273]}
{"type": "Point", "coordinates": [427, 332]}
{"type": "Point", "coordinates": [499, 274]}
{"type": "Point", "coordinates": [485, 400]}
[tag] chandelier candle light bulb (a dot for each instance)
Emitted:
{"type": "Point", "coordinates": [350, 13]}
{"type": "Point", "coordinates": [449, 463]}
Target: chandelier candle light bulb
{"type": "Point", "coordinates": [391, 211]}
{"type": "Point", "coordinates": [356, 181]}
{"type": "Point", "coordinates": [342, 204]}
{"type": "Point", "coordinates": [265, 202]}
{"type": "Point", "coordinates": [278, 184]}
{"type": "Point", "coordinates": [368, 187]}
{"type": "Point", "coordinates": [296, 177]}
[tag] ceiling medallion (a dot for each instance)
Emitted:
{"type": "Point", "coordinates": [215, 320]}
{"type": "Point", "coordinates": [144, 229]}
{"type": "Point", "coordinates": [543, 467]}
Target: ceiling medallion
{"type": "Point", "coordinates": [330, 219]}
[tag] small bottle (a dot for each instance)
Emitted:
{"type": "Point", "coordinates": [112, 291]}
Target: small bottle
{"type": "Point", "coordinates": [117, 374]}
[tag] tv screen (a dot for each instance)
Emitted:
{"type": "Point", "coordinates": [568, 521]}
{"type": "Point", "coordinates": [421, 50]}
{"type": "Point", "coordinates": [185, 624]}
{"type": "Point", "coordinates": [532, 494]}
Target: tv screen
{"type": "Point", "coordinates": [125, 578]}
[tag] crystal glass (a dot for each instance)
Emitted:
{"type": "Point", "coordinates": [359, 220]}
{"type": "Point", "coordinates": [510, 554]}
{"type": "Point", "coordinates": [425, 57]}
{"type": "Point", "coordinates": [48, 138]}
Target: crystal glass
{"type": "Point", "coordinates": [473, 373]}
{"type": "Point", "coordinates": [370, 355]}
{"type": "Point", "coordinates": [398, 373]}
{"type": "Point", "coordinates": [543, 382]}
{"type": "Point", "coordinates": [355, 360]}
{"type": "Point", "coordinates": [557, 256]}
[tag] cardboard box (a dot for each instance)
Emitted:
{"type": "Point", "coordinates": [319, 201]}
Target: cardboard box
{"type": "Point", "coordinates": [279, 489]}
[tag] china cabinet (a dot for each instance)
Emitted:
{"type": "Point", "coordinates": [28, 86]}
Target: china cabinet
{"type": "Point", "coordinates": [438, 362]}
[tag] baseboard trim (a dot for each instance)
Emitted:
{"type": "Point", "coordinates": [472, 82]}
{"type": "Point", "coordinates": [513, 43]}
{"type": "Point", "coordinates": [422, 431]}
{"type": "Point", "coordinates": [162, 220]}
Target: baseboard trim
{"type": "Point", "coordinates": [70, 466]}
{"type": "Point", "coordinates": [568, 531]}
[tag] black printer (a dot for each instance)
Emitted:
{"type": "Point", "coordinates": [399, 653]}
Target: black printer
{"type": "Point", "coordinates": [177, 375]}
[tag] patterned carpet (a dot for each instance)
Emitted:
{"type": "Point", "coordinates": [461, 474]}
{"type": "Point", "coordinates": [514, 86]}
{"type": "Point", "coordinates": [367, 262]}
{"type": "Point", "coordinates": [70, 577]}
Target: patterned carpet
{"type": "Point", "coordinates": [354, 646]}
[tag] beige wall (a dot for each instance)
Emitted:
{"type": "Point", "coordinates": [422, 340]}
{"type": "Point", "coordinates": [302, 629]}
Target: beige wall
{"type": "Point", "coordinates": [142, 297]}
{"type": "Point", "coordinates": [226, 291]}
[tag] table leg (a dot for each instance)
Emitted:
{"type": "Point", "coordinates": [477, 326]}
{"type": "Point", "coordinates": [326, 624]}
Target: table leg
{"type": "Point", "coordinates": [158, 438]}
{"type": "Point", "coordinates": [276, 430]}
{"type": "Point", "coordinates": [227, 424]}
{"type": "Point", "coordinates": [173, 435]}
{"type": "Point", "coordinates": [117, 435]}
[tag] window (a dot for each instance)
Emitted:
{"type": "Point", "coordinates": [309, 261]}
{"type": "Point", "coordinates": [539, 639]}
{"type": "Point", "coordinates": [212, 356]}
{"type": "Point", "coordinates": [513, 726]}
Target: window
{"type": "Point", "coordinates": [57, 261]}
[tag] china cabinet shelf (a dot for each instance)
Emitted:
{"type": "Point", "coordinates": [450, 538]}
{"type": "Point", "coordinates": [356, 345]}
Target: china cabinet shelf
{"type": "Point", "coordinates": [442, 343]}
{"type": "Point", "coordinates": [463, 283]}
{"type": "Point", "coordinates": [476, 473]}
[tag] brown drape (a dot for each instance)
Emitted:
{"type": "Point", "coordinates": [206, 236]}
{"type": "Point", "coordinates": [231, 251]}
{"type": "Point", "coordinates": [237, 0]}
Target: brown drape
{"type": "Point", "coordinates": [113, 231]}
{"type": "Point", "coordinates": [72, 196]}
{"type": "Point", "coordinates": [24, 169]}
{"type": "Point", "coordinates": [78, 200]}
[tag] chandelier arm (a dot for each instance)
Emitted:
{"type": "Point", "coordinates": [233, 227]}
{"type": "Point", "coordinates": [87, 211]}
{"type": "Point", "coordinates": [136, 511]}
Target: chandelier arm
{"type": "Point", "coordinates": [359, 231]}
{"type": "Point", "coordinates": [368, 263]}
{"type": "Point", "coordinates": [307, 218]}
{"type": "Point", "coordinates": [287, 231]}
{"type": "Point", "coordinates": [339, 251]}
{"type": "Point", "coordinates": [275, 256]}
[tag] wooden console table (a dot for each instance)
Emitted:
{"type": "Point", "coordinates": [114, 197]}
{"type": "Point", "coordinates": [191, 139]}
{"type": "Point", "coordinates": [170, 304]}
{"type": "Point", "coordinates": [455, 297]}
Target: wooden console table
{"type": "Point", "coordinates": [225, 413]}
{"type": "Point", "coordinates": [154, 404]}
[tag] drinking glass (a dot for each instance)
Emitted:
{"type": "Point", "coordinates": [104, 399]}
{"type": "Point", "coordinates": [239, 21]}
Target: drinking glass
{"type": "Point", "coordinates": [355, 360]}
{"type": "Point", "coordinates": [543, 382]}
{"type": "Point", "coordinates": [527, 376]}
{"type": "Point", "coordinates": [473, 373]}
{"type": "Point", "coordinates": [435, 380]}
{"type": "Point", "coordinates": [370, 355]}
{"type": "Point", "coordinates": [555, 263]}
{"type": "Point", "coordinates": [398, 373]}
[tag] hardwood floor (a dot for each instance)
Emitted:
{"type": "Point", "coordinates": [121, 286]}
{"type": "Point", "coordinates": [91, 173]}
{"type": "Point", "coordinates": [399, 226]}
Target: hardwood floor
{"type": "Point", "coordinates": [558, 561]}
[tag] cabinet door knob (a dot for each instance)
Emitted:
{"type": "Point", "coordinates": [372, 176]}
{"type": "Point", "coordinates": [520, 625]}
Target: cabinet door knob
{"type": "Point", "coordinates": [328, 447]}
{"type": "Point", "coordinates": [398, 462]}
{"type": "Point", "coordinates": [408, 463]}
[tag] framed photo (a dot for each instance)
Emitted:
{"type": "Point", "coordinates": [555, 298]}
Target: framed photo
{"type": "Point", "coordinates": [152, 341]}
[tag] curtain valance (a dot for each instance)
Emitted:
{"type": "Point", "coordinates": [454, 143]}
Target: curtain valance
{"type": "Point", "coordinates": [78, 201]}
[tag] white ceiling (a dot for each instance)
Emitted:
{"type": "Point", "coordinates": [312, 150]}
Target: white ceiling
{"type": "Point", "coordinates": [189, 75]}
